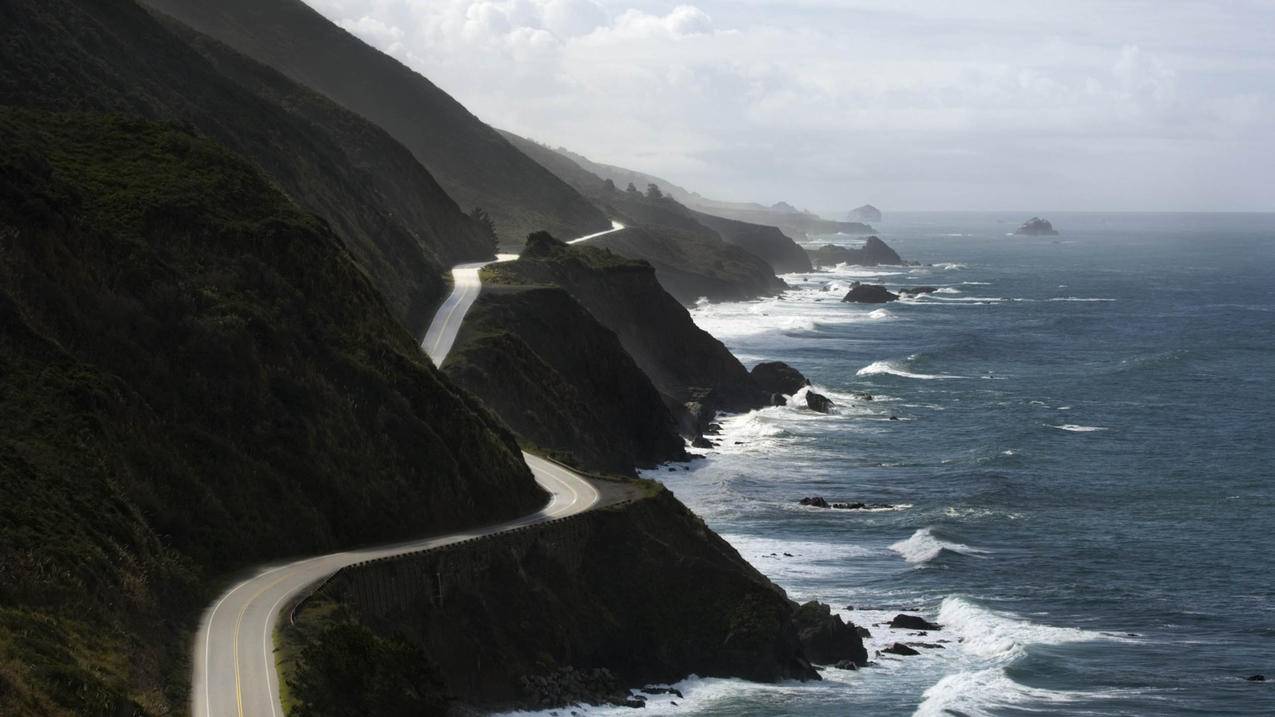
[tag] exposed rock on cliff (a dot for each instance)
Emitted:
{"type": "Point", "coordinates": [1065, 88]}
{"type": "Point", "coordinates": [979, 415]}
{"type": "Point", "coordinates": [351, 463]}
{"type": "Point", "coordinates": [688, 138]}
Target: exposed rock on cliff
{"type": "Point", "coordinates": [562, 381]}
{"type": "Point", "coordinates": [869, 294]}
{"type": "Point", "coordinates": [778, 377]}
{"type": "Point", "coordinates": [874, 252]}
{"type": "Point", "coordinates": [644, 591]}
{"type": "Point", "coordinates": [865, 213]}
{"type": "Point", "coordinates": [1036, 227]}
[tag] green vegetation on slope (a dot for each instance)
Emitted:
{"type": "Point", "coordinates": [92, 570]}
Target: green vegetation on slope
{"type": "Point", "coordinates": [113, 56]}
{"type": "Point", "coordinates": [194, 377]}
{"type": "Point", "coordinates": [472, 161]}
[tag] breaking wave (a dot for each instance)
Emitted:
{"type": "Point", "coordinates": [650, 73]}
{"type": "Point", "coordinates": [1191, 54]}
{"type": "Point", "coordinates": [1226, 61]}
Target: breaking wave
{"type": "Point", "coordinates": [1076, 428]}
{"type": "Point", "coordinates": [924, 546]}
{"type": "Point", "coordinates": [897, 368]}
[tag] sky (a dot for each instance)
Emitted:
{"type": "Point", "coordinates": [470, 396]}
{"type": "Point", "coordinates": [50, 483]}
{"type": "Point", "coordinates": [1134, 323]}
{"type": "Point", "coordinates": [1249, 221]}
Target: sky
{"type": "Point", "coordinates": [1120, 105]}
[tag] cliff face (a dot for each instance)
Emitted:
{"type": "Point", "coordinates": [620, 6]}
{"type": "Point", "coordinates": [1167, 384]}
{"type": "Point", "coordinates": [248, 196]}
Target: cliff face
{"type": "Point", "coordinates": [683, 361]}
{"type": "Point", "coordinates": [691, 266]}
{"type": "Point", "coordinates": [113, 56]}
{"type": "Point", "coordinates": [476, 166]}
{"type": "Point", "coordinates": [194, 377]}
{"type": "Point", "coordinates": [562, 381]}
{"type": "Point", "coordinates": [783, 254]}
{"type": "Point", "coordinates": [642, 590]}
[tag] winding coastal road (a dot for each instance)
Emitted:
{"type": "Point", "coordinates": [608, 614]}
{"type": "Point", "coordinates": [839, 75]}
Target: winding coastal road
{"type": "Point", "coordinates": [234, 651]}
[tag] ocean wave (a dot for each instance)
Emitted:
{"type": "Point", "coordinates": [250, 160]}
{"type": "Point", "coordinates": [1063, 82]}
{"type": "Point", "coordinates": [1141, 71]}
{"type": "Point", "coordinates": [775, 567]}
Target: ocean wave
{"type": "Point", "coordinates": [1001, 636]}
{"type": "Point", "coordinates": [947, 290]}
{"type": "Point", "coordinates": [950, 265]}
{"type": "Point", "coordinates": [896, 368]}
{"type": "Point", "coordinates": [976, 283]}
{"type": "Point", "coordinates": [1076, 428]}
{"type": "Point", "coordinates": [1079, 298]}
{"type": "Point", "coordinates": [980, 693]}
{"type": "Point", "coordinates": [924, 546]}
{"type": "Point", "coordinates": [881, 315]}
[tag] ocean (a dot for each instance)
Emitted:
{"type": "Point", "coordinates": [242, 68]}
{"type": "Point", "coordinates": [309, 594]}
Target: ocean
{"type": "Point", "coordinates": [1079, 472]}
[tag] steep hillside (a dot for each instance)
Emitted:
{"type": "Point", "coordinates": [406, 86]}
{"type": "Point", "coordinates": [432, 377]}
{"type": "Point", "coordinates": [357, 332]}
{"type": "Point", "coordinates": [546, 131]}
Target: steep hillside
{"type": "Point", "coordinates": [577, 611]}
{"type": "Point", "coordinates": [477, 167]}
{"type": "Point", "coordinates": [562, 381]}
{"type": "Point", "coordinates": [768, 243]}
{"type": "Point", "coordinates": [113, 56]}
{"type": "Point", "coordinates": [691, 259]}
{"type": "Point", "coordinates": [683, 361]}
{"type": "Point", "coordinates": [691, 265]}
{"type": "Point", "coordinates": [194, 377]}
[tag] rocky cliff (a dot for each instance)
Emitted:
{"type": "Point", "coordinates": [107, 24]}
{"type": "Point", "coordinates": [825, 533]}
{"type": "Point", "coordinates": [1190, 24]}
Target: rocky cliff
{"type": "Point", "coordinates": [782, 253]}
{"type": "Point", "coordinates": [578, 610]}
{"type": "Point", "coordinates": [685, 363]}
{"type": "Point", "coordinates": [562, 381]}
{"type": "Point", "coordinates": [194, 377]}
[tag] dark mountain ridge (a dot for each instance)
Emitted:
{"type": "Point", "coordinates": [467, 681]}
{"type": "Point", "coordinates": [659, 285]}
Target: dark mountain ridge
{"type": "Point", "coordinates": [113, 56]}
{"type": "Point", "coordinates": [476, 166]}
{"type": "Point", "coordinates": [194, 377]}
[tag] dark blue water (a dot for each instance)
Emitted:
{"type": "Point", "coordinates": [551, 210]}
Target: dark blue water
{"type": "Point", "coordinates": [1081, 469]}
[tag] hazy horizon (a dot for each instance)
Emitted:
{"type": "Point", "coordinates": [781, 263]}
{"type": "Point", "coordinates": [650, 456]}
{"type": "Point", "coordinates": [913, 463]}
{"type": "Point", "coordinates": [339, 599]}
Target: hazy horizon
{"type": "Point", "coordinates": [828, 104]}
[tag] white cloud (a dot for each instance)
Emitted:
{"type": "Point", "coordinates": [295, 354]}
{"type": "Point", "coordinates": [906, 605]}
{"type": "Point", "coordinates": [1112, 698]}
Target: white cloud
{"type": "Point", "coordinates": [827, 103]}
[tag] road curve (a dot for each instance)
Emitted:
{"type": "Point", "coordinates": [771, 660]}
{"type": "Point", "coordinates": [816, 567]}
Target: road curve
{"type": "Point", "coordinates": [234, 661]}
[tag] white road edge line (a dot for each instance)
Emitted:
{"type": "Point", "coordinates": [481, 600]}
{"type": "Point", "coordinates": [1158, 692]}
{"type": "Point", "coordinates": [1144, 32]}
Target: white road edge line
{"type": "Point", "coordinates": [461, 295]}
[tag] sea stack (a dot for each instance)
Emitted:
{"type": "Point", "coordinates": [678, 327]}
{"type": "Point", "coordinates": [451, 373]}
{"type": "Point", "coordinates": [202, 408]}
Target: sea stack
{"type": "Point", "coordinates": [865, 213]}
{"type": "Point", "coordinates": [1036, 227]}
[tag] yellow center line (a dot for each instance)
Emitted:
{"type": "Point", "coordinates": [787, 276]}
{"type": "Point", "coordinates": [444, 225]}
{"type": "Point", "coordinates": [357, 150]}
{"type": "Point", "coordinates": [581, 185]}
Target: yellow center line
{"type": "Point", "coordinates": [238, 624]}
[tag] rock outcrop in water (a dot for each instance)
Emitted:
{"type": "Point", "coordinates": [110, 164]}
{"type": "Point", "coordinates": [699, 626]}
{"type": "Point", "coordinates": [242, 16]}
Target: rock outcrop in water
{"type": "Point", "coordinates": [818, 402]}
{"type": "Point", "coordinates": [1036, 227]}
{"type": "Point", "coordinates": [826, 639]}
{"type": "Point", "coordinates": [869, 294]}
{"type": "Point", "coordinates": [778, 377]}
{"type": "Point", "coordinates": [865, 213]}
{"type": "Point", "coordinates": [874, 252]}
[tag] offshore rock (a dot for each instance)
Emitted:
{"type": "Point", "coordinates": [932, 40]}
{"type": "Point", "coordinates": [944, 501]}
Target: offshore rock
{"type": "Point", "coordinates": [826, 638]}
{"type": "Point", "coordinates": [899, 648]}
{"type": "Point", "coordinates": [778, 377]}
{"type": "Point", "coordinates": [874, 252]}
{"type": "Point", "coordinates": [869, 294]}
{"type": "Point", "coordinates": [1036, 227]}
{"type": "Point", "coordinates": [913, 622]}
{"type": "Point", "coordinates": [818, 402]}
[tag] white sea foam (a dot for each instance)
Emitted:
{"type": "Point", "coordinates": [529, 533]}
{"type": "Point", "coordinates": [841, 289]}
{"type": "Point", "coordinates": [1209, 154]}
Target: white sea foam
{"type": "Point", "coordinates": [947, 290]}
{"type": "Point", "coordinates": [950, 265]}
{"type": "Point", "coordinates": [923, 547]}
{"type": "Point", "coordinates": [896, 368]}
{"type": "Point", "coordinates": [980, 693]}
{"type": "Point", "coordinates": [881, 315]}
{"type": "Point", "coordinates": [976, 283]}
{"type": "Point", "coordinates": [1001, 636]}
{"type": "Point", "coordinates": [1075, 428]}
{"type": "Point", "coordinates": [1079, 298]}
